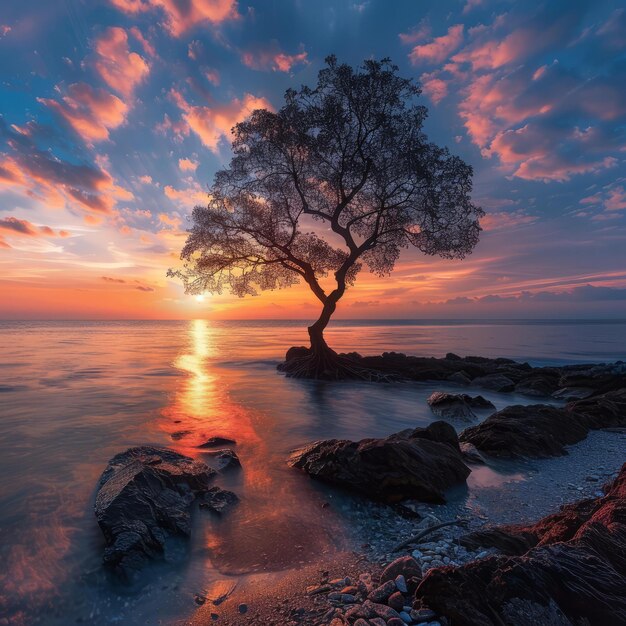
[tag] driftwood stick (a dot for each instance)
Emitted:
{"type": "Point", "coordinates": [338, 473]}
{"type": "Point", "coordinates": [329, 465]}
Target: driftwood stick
{"type": "Point", "coordinates": [425, 532]}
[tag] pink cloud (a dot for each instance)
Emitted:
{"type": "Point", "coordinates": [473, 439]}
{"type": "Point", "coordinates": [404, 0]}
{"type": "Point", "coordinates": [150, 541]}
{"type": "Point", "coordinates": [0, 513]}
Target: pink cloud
{"type": "Point", "coordinates": [170, 220]}
{"type": "Point", "coordinates": [212, 124]}
{"type": "Point", "coordinates": [92, 113]}
{"type": "Point", "coordinates": [120, 68]}
{"type": "Point", "coordinates": [182, 16]}
{"type": "Point", "coordinates": [472, 4]}
{"type": "Point", "coordinates": [434, 87]}
{"type": "Point", "coordinates": [440, 48]}
{"type": "Point", "coordinates": [187, 165]}
{"type": "Point", "coordinates": [420, 33]}
{"type": "Point", "coordinates": [616, 199]}
{"type": "Point", "coordinates": [148, 48]}
{"type": "Point", "coordinates": [16, 227]}
{"type": "Point", "coordinates": [272, 58]}
{"type": "Point", "coordinates": [188, 197]}
{"type": "Point", "coordinates": [503, 220]}
{"type": "Point", "coordinates": [43, 177]}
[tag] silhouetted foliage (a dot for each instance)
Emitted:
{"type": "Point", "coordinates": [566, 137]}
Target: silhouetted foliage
{"type": "Point", "coordinates": [341, 177]}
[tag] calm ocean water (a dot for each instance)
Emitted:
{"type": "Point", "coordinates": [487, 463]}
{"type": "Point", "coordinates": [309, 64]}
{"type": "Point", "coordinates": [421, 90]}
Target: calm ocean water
{"type": "Point", "coordinates": [72, 394]}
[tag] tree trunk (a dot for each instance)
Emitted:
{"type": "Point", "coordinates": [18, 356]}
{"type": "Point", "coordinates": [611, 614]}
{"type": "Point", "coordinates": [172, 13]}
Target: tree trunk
{"type": "Point", "coordinates": [320, 361]}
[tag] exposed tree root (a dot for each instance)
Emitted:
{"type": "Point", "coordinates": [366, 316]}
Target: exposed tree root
{"type": "Point", "coordinates": [326, 364]}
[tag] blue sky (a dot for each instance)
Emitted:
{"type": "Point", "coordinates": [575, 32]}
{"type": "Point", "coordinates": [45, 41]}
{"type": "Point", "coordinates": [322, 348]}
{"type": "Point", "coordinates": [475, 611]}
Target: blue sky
{"type": "Point", "coordinates": [116, 115]}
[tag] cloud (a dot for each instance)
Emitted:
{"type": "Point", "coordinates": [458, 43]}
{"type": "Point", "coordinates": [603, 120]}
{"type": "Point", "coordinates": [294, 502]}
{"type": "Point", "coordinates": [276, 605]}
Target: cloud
{"type": "Point", "coordinates": [148, 48]}
{"type": "Point", "coordinates": [440, 48]}
{"type": "Point", "coordinates": [182, 16]}
{"type": "Point", "coordinates": [272, 58]}
{"type": "Point", "coordinates": [541, 121]}
{"type": "Point", "coordinates": [109, 279]}
{"type": "Point", "coordinates": [40, 175]}
{"type": "Point", "coordinates": [420, 33]}
{"type": "Point", "coordinates": [16, 227]}
{"type": "Point", "coordinates": [91, 112]}
{"type": "Point", "coordinates": [144, 288]}
{"type": "Point", "coordinates": [504, 220]}
{"type": "Point", "coordinates": [172, 221]}
{"type": "Point", "coordinates": [187, 165]}
{"type": "Point", "coordinates": [190, 196]}
{"type": "Point", "coordinates": [212, 124]}
{"type": "Point", "coordinates": [120, 68]}
{"type": "Point", "coordinates": [434, 87]}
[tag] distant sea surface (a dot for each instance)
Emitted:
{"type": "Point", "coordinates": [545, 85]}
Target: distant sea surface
{"type": "Point", "coordinates": [73, 394]}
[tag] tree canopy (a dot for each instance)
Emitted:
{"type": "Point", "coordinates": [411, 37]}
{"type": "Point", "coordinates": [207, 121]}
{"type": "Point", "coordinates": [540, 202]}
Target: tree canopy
{"type": "Point", "coordinates": [340, 178]}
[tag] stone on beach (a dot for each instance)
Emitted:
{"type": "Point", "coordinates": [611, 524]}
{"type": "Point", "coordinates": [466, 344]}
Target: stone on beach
{"type": "Point", "coordinates": [420, 464]}
{"type": "Point", "coordinates": [144, 497]}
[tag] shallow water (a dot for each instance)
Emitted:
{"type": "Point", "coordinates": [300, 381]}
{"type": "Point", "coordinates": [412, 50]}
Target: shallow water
{"type": "Point", "coordinates": [72, 394]}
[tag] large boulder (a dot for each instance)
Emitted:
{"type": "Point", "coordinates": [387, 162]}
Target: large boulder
{"type": "Point", "coordinates": [536, 430]}
{"type": "Point", "coordinates": [420, 464]}
{"type": "Point", "coordinates": [144, 497]}
{"type": "Point", "coordinates": [602, 411]}
{"type": "Point", "coordinates": [569, 568]}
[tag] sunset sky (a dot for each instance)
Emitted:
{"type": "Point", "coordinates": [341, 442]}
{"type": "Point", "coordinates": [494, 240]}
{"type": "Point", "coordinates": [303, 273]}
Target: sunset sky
{"type": "Point", "coordinates": [116, 114]}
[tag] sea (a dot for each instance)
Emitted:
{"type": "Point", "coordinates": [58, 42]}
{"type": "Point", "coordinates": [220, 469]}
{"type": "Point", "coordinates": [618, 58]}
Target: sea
{"type": "Point", "coordinates": [75, 393]}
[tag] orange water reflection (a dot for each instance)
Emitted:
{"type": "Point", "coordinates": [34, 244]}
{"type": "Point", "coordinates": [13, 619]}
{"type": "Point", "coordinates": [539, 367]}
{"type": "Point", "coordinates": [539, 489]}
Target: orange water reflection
{"type": "Point", "coordinates": [272, 527]}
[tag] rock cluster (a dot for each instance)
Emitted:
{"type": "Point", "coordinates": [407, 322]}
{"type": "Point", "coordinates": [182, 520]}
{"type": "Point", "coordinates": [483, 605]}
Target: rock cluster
{"type": "Point", "coordinates": [567, 382]}
{"type": "Point", "coordinates": [541, 431]}
{"type": "Point", "coordinates": [419, 464]}
{"type": "Point", "coordinates": [144, 497]}
{"type": "Point", "coordinates": [568, 568]}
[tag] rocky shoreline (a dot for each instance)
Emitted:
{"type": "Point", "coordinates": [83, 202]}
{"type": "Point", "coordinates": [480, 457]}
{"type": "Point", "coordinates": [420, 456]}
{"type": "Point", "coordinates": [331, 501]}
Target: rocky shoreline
{"type": "Point", "coordinates": [439, 561]}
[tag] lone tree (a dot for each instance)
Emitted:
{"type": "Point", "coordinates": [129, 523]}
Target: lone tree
{"type": "Point", "coordinates": [340, 178]}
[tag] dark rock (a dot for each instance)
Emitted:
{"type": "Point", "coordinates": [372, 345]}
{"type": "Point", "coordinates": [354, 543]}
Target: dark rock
{"type": "Point", "coordinates": [396, 601]}
{"type": "Point", "coordinates": [573, 393]}
{"type": "Point", "coordinates": [419, 464]}
{"type": "Point", "coordinates": [405, 566]}
{"type": "Point", "coordinates": [470, 453]}
{"type": "Point", "coordinates": [457, 405]}
{"type": "Point", "coordinates": [574, 571]}
{"type": "Point", "coordinates": [495, 382]}
{"type": "Point", "coordinates": [452, 357]}
{"type": "Point", "coordinates": [144, 496]}
{"type": "Point", "coordinates": [218, 500]}
{"type": "Point", "coordinates": [381, 610]}
{"type": "Point", "coordinates": [179, 434]}
{"type": "Point", "coordinates": [216, 442]}
{"type": "Point", "coordinates": [537, 431]}
{"type": "Point", "coordinates": [381, 593]}
{"type": "Point", "coordinates": [601, 411]}
{"type": "Point", "coordinates": [223, 460]}
{"type": "Point", "coordinates": [297, 352]}
{"type": "Point", "coordinates": [450, 406]}
{"type": "Point", "coordinates": [460, 378]}
{"type": "Point", "coordinates": [539, 386]}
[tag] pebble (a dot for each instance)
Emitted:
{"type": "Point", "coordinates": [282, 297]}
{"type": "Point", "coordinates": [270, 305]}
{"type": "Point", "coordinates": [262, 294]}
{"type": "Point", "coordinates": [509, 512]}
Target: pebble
{"type": "Point", "coordinates": [401, 583]}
